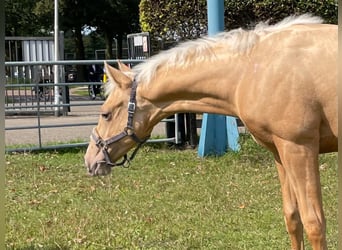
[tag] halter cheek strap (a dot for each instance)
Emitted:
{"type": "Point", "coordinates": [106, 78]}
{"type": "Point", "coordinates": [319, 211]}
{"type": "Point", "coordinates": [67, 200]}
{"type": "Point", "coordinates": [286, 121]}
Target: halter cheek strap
{"type": "Point", "coordinates": [128, 131]}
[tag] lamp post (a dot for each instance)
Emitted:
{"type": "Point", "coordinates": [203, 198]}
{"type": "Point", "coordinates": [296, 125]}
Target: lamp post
{"type": "Point", "coordinates": [56, 55]}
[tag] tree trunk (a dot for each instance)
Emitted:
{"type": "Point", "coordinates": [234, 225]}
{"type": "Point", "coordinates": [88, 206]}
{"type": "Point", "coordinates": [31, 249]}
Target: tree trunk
{"type": "Point", "coordinates": [119, 45]}
{"type": "Point", "coordinates": [109, 44]}
{"type": "Point", "coordinates": [80, 55]}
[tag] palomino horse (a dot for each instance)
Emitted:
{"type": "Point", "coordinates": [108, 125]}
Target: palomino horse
{"type": "Point", "coordinates": [280, 80]}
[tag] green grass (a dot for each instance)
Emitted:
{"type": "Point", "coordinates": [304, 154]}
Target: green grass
{"type": "Point", "coordinates": [167, 199]}
{"type": "Point", "coordinates": [17, 80]}
{"type": "Point", "coordinates": [34, 147]}
{"type": "Point", "coordinates": [81, 92]}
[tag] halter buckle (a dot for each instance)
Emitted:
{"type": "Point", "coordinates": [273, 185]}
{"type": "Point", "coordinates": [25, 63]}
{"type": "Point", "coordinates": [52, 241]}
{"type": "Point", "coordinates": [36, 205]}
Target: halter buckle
{"type": "Point", "coordinates": [101, 143]}
{"type": "Point", "coordinates": [131, 107]}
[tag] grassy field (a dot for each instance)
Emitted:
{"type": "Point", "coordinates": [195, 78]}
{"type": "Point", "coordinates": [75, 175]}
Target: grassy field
{"type": "Point", "coordinates": [167, 199]}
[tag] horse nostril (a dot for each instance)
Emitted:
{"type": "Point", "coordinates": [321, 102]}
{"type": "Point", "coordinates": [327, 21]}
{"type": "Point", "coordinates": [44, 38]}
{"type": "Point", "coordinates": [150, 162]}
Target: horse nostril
{"type": "Point", "coordinates": [90, 171]}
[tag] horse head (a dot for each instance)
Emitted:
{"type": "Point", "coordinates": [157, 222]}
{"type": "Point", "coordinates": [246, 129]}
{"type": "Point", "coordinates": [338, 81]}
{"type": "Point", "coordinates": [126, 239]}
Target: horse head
{"type": "Point", "coordinates": [120, 123]}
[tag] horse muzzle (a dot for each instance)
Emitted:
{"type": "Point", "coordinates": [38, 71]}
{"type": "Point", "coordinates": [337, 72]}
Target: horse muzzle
{"type": "Point", "coordinates": [95, 162]}
{"type": "Point", "coordinates": [99, 168]}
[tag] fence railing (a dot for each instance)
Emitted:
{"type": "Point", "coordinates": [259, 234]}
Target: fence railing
{"type": "Point", "coordinates": [29, 91]}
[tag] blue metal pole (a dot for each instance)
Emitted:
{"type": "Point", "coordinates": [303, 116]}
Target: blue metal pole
{"type": "Point", "coordinates": [218, 132]}
{"type": "Point", "coordinates": [215, 13]}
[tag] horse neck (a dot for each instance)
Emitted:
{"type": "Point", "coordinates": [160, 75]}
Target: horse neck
{"type": "Point", "coordinates": [200, 88]}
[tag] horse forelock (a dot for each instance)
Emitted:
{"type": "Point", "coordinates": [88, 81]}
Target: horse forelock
{"type": "Point", "coordinates": [194, 51]}
{"type": "Point", "coordinates": [109, 87]}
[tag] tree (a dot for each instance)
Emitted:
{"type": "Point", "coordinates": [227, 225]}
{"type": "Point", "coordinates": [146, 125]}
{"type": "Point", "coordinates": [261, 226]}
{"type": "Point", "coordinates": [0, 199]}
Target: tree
{"type": "Point", "coordinates": [173, 19]}
{"type": "Point", "coordinates": [20, 19]}
{"type": "Point", "coordinates": [239, 14]}
{"type": "Point", "coordinates": [248, 13]}
{"type": "Point", "coordinates": [73, 16]}
{"type": "Point", "coordinates": [275, 11]}
{"type": "Point", "coordinates": [114, 19]}
{"type": "Point", "coordinates": [185, 19]}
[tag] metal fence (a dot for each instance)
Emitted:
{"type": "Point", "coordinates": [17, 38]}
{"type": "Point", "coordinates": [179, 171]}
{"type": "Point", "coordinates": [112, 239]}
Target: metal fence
{"type": "Point", "coordinates": [29, 92]}
{"type": "Point", "coordinates": [31, 49]}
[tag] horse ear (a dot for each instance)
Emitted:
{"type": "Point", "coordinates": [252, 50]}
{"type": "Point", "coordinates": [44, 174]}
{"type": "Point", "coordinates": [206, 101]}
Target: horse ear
{"type": "Point", "coordinates": [123, 67]}
{"type": "Point", "coordinates": [118, 77]}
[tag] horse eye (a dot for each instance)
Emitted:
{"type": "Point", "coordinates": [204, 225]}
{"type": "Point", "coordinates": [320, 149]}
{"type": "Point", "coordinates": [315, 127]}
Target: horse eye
{"type": "Point", "coordinates": [106, 116]}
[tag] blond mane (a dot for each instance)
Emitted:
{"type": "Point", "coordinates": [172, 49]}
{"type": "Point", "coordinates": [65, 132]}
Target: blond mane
{"type": "Point", "coordinates": [238, 40]}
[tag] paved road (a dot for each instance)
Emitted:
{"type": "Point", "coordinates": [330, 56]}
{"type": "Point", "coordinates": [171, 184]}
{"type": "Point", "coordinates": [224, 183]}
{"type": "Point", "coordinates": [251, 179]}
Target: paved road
{"type": "Point", "coordinates": [78, 115]}
{"type": "Point", "coordinates": [59, 134]}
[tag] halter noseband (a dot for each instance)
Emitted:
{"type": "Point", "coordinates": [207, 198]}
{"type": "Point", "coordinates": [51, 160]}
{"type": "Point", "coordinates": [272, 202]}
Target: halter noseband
{"type": "Point", "coordinates": [128, 131]}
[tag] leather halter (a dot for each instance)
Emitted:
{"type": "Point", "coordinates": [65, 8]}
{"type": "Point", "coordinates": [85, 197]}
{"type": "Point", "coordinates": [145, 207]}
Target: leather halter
{"type": "Point", "coordinates": [128, 131]}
